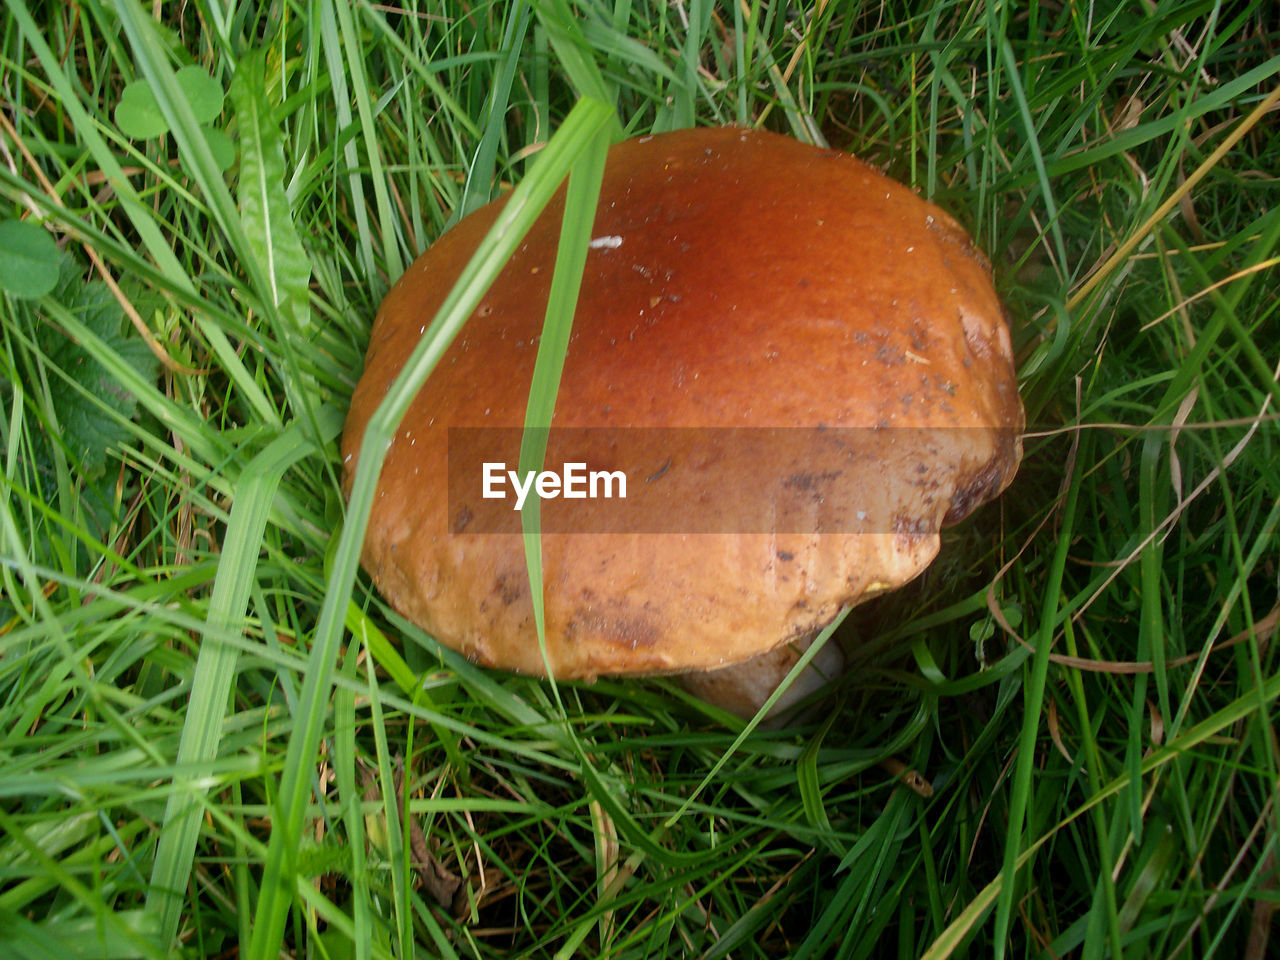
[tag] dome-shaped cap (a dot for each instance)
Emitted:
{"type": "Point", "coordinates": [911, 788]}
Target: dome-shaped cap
{"type": "Point", "coordinates": [742, 290]}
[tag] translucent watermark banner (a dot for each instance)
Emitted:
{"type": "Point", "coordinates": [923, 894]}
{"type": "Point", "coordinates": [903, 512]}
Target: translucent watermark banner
{"type": "Point", "coordinates": [905, 480]}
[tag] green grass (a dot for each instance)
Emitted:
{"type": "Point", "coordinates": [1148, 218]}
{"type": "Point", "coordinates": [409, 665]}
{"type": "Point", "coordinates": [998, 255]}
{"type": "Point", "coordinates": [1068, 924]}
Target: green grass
{"type": "Point", "coordinates": [204, 708]}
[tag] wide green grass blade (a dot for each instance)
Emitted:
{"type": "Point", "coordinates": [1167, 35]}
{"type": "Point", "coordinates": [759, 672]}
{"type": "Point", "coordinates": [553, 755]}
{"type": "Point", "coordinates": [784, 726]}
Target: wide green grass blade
{"type": "Point", "coordinates": [216, 665]}
{"type": "Point", "coordinates": [525, 204]}
{"type": "Point", "coordinates": [562, 302]}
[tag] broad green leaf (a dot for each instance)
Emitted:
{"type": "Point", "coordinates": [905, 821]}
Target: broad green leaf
{"type": "Point", "coordinates": [28, 259]}
{"type": "Point", "coordinates": [203, 93]}
{"type": "Point", "coordinates": [264, 208]}
{"type": "Point", "coordinates": [92, 419]}
{"type": "Point", "coordinates": [138, 114]}
{"type": "Point", "coordinates": [221, 148]}
{"type": "Point", "coordinates": [75, 938]}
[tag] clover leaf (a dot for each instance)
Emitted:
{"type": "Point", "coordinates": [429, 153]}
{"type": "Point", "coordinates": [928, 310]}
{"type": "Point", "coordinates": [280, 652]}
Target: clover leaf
{"type": "Point", "coordinates": [28, 260]}
{"type": "Point", "coordinates": [139, 117]}
{"type": "Point", "coordinates": [138, 113]}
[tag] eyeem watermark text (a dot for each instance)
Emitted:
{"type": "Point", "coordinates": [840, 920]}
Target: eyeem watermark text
{"type": "Point", "coordinates": [576, 483]}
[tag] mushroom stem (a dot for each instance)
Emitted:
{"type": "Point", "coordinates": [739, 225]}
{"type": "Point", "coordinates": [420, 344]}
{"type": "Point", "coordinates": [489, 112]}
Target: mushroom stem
{"type": "Point", "coordinates": [743, 688]}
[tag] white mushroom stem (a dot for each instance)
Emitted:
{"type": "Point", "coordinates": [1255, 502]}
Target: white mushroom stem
{"type": "Point", "coordinates": [744, 687]}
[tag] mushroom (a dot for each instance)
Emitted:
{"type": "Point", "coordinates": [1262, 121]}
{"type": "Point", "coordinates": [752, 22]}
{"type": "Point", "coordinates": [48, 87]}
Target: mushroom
{"type": "Point", "coordinates": [801, 367]}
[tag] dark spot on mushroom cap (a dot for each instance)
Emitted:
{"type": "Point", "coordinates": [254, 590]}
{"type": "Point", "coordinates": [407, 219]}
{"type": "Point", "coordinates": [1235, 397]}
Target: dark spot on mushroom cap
{"type": "Point", "coordinates": [809, 482]}
{"type": "Point", "coordinates": [508, 591]}
{"type": "Point", "coordinates": [908, 526]}
{"type": "Point", "coordinates": [890, 355]}
{"type": "Point", "coordinates": [986, 483]}
{"type": "Point", "coordinates": [461, 519]}
{"type": "Point", "coordinates": [627, 629]}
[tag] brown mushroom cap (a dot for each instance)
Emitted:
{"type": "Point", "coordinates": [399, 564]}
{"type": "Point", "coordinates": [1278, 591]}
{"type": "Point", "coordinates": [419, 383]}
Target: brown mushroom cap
{"type": "Point", "coordinates": [740, 280]}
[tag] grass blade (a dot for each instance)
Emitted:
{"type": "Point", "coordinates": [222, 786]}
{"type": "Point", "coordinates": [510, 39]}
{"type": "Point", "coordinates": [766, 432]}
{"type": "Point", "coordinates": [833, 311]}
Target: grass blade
{"type": "Point", "coordinates": [526, 202]}
{"type": "Point", "coordinates": [562, 301]}
{"type": "Point", "coordinates": [351, 39]}
{"type": "Point", "coordinates": [1033, 698]}
{"type": "Point", "coordinates": [216, 665]}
